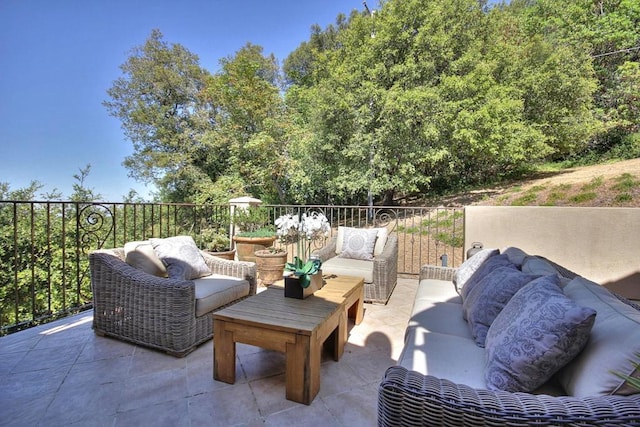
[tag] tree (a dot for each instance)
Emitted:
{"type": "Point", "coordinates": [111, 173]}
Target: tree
{"type": "Point", "coordinates": [80, 192]}
{"type": "Point", "coordinates": [198, 135]}
{"type": "Point", "coordinates": [608, 31]}
{"type": "Point", "coordinates": [251, 125]}
{"type": "Point", "coordinates": [158, 103]}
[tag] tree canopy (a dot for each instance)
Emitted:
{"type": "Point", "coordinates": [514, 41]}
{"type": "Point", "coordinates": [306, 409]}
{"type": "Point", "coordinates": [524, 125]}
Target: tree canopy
{"type": "Point", "coordinates": [415, 97]}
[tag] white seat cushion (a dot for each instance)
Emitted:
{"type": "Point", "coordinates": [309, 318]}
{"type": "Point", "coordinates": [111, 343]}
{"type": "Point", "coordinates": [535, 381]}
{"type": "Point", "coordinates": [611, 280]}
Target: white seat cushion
{"type": "Point", "coordinates": [455, 358]}
{"type": "Point", "coordinates": [441, 317]}
{"type": "Point", "coordinates": [349, 267]}
{"type": "Point", "coordinates": [216, 290]}
{"type": "Point", "coordinates": [438, 290]}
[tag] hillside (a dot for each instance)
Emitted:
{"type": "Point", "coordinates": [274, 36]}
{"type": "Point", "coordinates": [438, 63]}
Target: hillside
{"type": "Point", "coordinates": [606, 185]}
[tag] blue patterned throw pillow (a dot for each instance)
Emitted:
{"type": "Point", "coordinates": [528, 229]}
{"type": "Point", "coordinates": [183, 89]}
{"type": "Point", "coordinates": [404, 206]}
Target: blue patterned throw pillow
{"type": "Point", "coordinates": [485, 268]}
{"type": "Point", "coordinates": [538, 332]}
{"type": "Point", "coordinates": [489, 296]}
{"type": "Point", "coordinates": [466, 270]}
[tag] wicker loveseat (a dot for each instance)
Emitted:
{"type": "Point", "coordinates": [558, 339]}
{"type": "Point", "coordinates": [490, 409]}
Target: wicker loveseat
{"type": "Point", "coordinates": [171, 315]}
{"type": "Point", "coordinates": [441, 376]}
{"type": "Point", "coordinates": [380, 272]}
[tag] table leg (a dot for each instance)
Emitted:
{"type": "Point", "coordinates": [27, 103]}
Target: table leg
{"type": "Point", "coordinates": [224, 353]}
{"type": "Point", "coordinates": [340, 336]}
{"type": "Point", "coordinates": [303, 369]}
{"type": "Point", "coordinates": [356, 311]}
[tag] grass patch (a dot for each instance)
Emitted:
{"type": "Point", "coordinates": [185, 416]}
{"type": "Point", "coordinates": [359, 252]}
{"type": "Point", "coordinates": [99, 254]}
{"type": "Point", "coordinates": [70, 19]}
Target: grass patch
{"type": "Point", "coordinates": [524, 200]}
{"type": "Point", "coordinates": [583, 197]}
{"type": "Point", "coordinates": [536, 189]}
{"type": "Point", "coordinates": [515, 189]}
{"type": "Point", "coordinates": [623, 198]}
{"type": "Point", "coordinates": [444, 221]}
{"type": "Point", "coordinates": [626, 182]}
{"type": "Point", "coordinates": [455, 239]}
{"type": "Point", "coordinates": [595, 183]}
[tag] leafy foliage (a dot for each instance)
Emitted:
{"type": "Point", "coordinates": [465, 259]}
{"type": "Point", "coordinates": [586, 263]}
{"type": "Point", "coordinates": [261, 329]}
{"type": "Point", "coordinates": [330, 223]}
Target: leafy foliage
{"type": "Point", "coordinates": [416, 97]}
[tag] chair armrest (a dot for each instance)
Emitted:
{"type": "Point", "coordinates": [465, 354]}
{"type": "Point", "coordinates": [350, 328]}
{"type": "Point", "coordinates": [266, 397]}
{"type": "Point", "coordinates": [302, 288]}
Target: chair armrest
{"type": "Point", "coordinates": [240, 269]}
{"type": "Point", "coordinates": [328, 251]}
{"type": "Point", "coordinates": [409, 398]}
{"type": "Point", "coordinates": [437, 273]}
{"type": "Point", "coordinates": [385, 265]}
{"type": "Point", "coordinates": [120, 290]}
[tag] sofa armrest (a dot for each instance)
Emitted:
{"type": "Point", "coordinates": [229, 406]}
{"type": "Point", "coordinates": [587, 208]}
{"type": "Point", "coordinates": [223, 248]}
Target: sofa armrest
{"type": "Point", "coordinates": [240, 269]}
{"type": "Point", "coordinates": [410, 398]}
{"type": "Point", "coordinates": [437, 273]}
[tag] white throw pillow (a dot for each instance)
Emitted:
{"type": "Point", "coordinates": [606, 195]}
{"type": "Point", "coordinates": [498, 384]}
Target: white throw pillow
{"type": "Point", "coordinates": [181, 256]}
{"type": "Point", "coordinates": [140, 254]}
{"type": "Point", "coordinates": [359, 243]}
{"type": "Point", "coordinates": [381, 241]}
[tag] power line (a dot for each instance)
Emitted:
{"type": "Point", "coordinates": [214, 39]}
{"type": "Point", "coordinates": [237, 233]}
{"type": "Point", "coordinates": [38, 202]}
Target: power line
{"type": "Point", "coordinates": [627, 50]}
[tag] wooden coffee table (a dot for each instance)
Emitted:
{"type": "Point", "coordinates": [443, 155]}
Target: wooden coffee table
{"type": "Point", "coordinates": [298, 328]}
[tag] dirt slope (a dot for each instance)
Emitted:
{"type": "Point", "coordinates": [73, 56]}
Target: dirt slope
{"type": "Point", "coordinates": [612, 184]}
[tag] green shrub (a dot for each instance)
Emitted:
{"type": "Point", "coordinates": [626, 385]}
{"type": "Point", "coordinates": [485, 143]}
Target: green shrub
{"type": "Point", "coordinates": [583, 197]}
{"type": "Point", "coordinates": [626, 182]}
{"type": "Point", "coordinates": [595, 183]}
{"type": "Point", "coordinates": [623, 198]}
{"type": "Point", "coordinates": [525, 200]}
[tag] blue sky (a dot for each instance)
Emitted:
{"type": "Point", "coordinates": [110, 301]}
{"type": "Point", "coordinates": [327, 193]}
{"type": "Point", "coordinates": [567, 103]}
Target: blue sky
{"type": "Point", "coordinates": [59, 57]}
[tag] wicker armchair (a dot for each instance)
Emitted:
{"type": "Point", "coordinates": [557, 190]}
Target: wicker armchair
{"type": "Point", "coordinates": [385, 269]}
{"type": "Point", "coordinates": [411, 398]}
{"type": "Point", "coordinates": [156, 312]}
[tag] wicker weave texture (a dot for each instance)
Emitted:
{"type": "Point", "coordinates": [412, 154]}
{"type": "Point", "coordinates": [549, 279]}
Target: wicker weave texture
{"type": "Point", "coordinates": [437, 273]}
{"type": "Point", "coordinates": [407, 398]}
{"type": "Point", "coordinates": [385, 269]}
{"type": "Point", "coordinates": [156, 312]}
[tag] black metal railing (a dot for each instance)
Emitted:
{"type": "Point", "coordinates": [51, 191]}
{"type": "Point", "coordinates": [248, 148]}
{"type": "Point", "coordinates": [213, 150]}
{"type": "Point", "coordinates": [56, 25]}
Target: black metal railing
{"type": "Point", "coordinates": [44, 245]}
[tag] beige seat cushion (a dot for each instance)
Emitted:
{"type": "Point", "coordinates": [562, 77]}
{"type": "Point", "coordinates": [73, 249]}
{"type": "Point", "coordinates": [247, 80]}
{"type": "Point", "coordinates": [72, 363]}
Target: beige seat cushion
{"type": "Point", "coordinates": [613, 343]}
{"type": "Point", "coordinates": [349, 267]}
{"type": "Point", "coordinates": [441, 317]}
{"type": "Point", "coordinates": [140, 254]}
{"type": "Point", "coordinates": [438, 290]}
{"type": "Point", "coordinates": [216, 290]}
{"type": "Point", "coordinates": [455, 358]}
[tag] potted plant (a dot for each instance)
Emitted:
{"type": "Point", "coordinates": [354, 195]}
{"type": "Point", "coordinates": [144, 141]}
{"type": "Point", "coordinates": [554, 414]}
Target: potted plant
{"type": "Point", "coordinates": [256, 232]}
{"type": "Point", "coordinates": [270, 262]}
{"type": "Point", "coordinates": [303, 276]}
{"type": "Point", "coordinates": [217, 243]}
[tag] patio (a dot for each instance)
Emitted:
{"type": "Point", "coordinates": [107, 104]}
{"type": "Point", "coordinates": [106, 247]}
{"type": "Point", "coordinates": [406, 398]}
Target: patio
{"type": "Point", "coordinates": [61, 373]}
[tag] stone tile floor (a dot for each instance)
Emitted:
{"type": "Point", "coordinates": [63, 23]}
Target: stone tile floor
{"type": "Point", "coordinates": [62, 374]}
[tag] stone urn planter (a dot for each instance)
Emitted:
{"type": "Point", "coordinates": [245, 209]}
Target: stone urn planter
{"type": "Point", "coordinates": [230, 254]}
{"type": "Point", "coordinates": [247, 246]}
{"type": "Point", "coordinates": [270, 263]}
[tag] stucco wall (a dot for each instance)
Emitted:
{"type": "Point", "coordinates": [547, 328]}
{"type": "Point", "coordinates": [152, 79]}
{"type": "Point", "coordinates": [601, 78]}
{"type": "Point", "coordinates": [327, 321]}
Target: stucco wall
{"type": "Point", "coordinates": [601, 244]}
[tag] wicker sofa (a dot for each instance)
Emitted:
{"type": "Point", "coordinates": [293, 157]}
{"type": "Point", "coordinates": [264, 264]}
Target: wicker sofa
{"type": "Point", "coordinates": [171, 315]}
{"type": "Point", "coordinates": [380, 273]}
{"type": "Point", "coordinates": [440, 378]}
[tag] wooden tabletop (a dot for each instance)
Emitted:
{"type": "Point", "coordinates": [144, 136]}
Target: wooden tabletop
{"type": "Point", "coordinates": [270, 308]}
